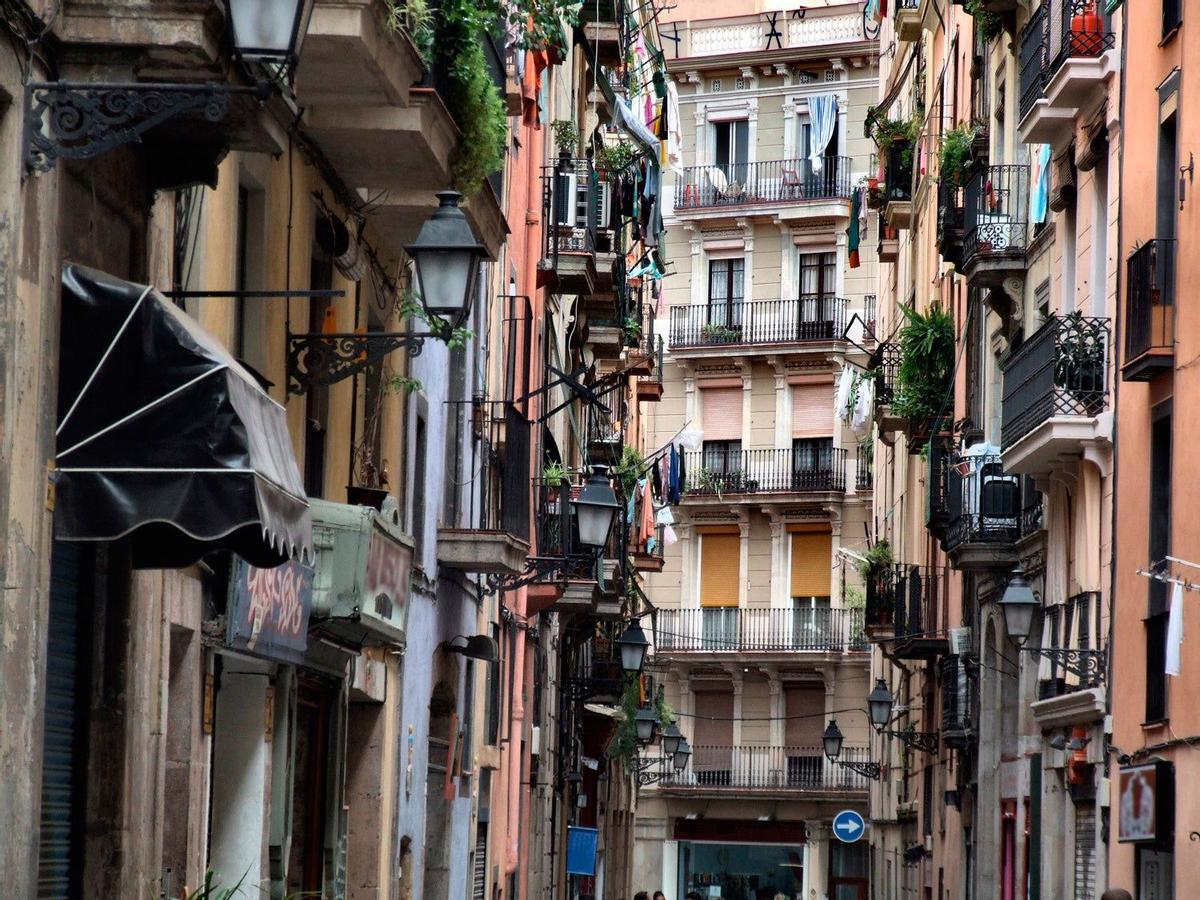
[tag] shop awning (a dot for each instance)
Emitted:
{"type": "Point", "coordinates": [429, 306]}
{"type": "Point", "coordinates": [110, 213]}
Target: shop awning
{"type": "Point", "coordinates": [164, 438]}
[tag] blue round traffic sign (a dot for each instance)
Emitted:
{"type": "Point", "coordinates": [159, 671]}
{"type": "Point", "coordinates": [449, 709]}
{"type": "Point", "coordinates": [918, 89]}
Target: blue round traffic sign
{"type": "Point", "coordinates": [848, 826]}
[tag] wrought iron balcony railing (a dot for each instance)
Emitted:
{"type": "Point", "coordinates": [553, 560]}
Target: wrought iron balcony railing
{"type": "Point", "coordinates": [996, 214]}
{"type": "Point", "coordinates": [1062, 370]}
{"type": "Point", "coordinates": [885, 362]}
{"type": "Point", "coordinates": [983, 502]}
{"type": "Point", "coordinates": [812, 317]}
{"type": "Point", "coordinates": [1150, 309]}
{"type": "Point", "coordinates": [906, 597]}
{"type": "Point", "coordinates": [1071, 656]}
{"type": "Point", "coordinates": [742, 630]}
{"type": "Point", "coordinates": [958, 701]}
{"type": "Point", "coordinates": [950, 219]}
{"type": "Point", "coordinates": [822, 470]}
{"type": "Point", "coordinates": [774, 181]}
{"type": "Point", "coordinates": [746, 767]}
{"type": "Point", "coordinates": [898, 176]}
{"type": "Point", "coordinates": [1059, 30]}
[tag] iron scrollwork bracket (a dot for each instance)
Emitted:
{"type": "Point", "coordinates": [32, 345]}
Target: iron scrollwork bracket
{"type": "Point", "coordinates": [79, 120]}
{"type": "Point", "coordinates": [925, 741]}
{"type": "Point", "coordinates": [538, 569]}
{"type": "Point", "coordinates": [316, 360]}
{"type": "Point", "coordinates": [1088, 665]}
{"type": "Point", "coordinates": [650, 771]}
{"type": "Point", "coordinates": [869, 770]}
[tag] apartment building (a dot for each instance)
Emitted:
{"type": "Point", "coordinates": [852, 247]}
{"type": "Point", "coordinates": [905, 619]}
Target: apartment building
{"type": "Point", "coordinates": [994, 481]}
{"type": "Point", "coordinates": [758, 632]}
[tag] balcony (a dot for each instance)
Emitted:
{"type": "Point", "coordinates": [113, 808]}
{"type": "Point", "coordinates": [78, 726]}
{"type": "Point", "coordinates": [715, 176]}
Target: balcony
{"type": "Point", "coordinates": [746, 475]}
{"type": "Point", "coordinates": [498, 543]}
{"type": "Point", "coordinates": [1067, 57]}
{"type": "Point", "coordinates": [739, 769]}
{"type": "Point", "coordinates": [885, 363]}
{"type": "Point", "coordinates": [1150, 311]}
{"type": "Point", "coordinates": [950, 221]}
{"type": "Point", "coordinates": [889, 242]}
{"type": "Point", "coordinates": [995, 225]}
{"type": "Point", "coordinates": [718, 327]}
{"type": "Point", "coordinates": [983, 513]}
{"type": "Point", "coordinates": [897, 184]}
{"type": "Point", "coordinates": [601, 24]}
{"type": "Point", "coordinates": [605, 425]}
{"type": "Point", "coordinates": [734, 187]}
{"type": "Point", "coordinates": [906, 603]}
{"type": "Point", "coordinates": [908, 20]}
{"type": "Point", "coordinates": [958, 701]}
{"type": "Point", "coordinates": [737, 630]}
{"type": "Point", "coordinates": [1055, 394]}
{"type": "Point", "coordinates": [743, 35]}
{"type": "Point", "coordinates": [570, 208]}
{"type": "Point", "coordinates": [1075, 695]}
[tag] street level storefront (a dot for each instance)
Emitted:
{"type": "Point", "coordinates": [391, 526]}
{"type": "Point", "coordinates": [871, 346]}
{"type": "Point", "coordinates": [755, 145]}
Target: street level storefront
{"type": "Point", "coordinates": [1146, 819]}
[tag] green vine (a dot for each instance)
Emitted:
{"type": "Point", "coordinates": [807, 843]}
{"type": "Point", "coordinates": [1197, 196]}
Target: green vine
{"type": "Point", "coordinates": [629, 469]}
{"type": "Point", "coordinates": [615, 157]}
{"type": "Point", "coordinates": [987, 23]}
{"type": "Point", "coordinates": [926, 372]}
{"type": "Point", "coordinates": [954, 154]}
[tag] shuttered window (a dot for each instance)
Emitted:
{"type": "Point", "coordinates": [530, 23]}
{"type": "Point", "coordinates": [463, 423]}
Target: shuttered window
{"type": "Point", "coordinates": [812, 410]}
{"type": "Point", "coordinates": [720, 569]}
{"type": "Point", "coordinates": [810, 564]}
{"type": "Point", "coordinates": [805, 709]}
{"type": "Point", "coordinates": [722, 413]}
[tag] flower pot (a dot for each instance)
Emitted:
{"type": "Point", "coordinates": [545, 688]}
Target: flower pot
{"type": "Point", "coordinates": [872, 182]}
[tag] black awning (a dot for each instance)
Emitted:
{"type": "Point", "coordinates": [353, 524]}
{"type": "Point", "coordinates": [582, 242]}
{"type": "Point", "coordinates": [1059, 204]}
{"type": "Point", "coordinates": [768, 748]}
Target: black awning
{"type": "Point", "coordinates": [164, 439]}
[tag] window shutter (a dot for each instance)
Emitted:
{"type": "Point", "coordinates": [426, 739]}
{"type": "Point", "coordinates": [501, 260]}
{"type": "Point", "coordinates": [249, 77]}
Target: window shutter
{"type": "Point", "coordinates": [720, 569]}
{"type": "Point", "coordinates": [722, 414]}
{"type": "Point", "coordinates": [812, 410]}
{"type": "Point", "coordinates": [805, 709]}
{"type": "Point", "coordinates": [810, 564]}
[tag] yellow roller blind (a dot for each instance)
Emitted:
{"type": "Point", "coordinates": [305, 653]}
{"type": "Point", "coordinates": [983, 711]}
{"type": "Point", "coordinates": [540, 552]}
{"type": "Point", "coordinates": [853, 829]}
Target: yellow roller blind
{"type": "Point", "coordinates": [810, 564]}
{"type": "Point", "coordinates": [720, 569]}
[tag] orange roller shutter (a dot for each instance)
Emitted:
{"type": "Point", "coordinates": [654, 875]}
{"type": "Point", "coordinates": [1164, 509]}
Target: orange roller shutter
{"type": "Point", "coordinates": [810, 564]}
{"type": "Point", "coordinates": [722, 414]}
{"type": "Point", "coordinates": [804, 705]}
{"type": "Point", "coordinates": [812, 410]}
{"type": "Point", "coordinates": [720, 569]}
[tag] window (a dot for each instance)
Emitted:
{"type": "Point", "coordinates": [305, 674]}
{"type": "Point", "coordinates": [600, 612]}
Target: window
{"type": "Point", "coordinates": [720, 578]}
{"type": "Point", "coordinates": [722, 457]}
{"type": "Point", "coordinates": [1160, 534]}
{"type": "Point", "coordinates": [1172, 15]}
{"type": "Point", "coordinates": [418, 493]}
{"type": "Point", "coordinates": [1168, 172]}
{"type": "Point", "coordinates": [818, 274]}
{"type": "Point", "coordinates": [726, 291]}
{"type": "Point", "coordinates": [731, 148]}
{"type": "Point", "coordinates": [812, 454]}
{"type": "Point", "coordinates": [810, 589]}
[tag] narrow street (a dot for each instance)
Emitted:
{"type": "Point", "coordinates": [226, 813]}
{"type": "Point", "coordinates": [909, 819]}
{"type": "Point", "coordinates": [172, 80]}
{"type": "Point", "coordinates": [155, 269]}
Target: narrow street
{"type": "Point", "coordinates": [598, 450]}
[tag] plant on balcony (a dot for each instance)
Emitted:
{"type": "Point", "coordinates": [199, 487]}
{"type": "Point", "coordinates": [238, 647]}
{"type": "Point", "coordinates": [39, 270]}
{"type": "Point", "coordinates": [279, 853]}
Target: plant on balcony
{"type": "Point", "coordinates": [566, 136]}
{"type": "Point", "coordinates": [633, 331]}
{"type": "Point", "coordinates": [615, 157]}
{"type": "Point", "coordinates": [886, 131]}
{"type": "Point", "coordinates": [631, 467]}
{"type": "Point", "coordinates": [1079, 362]}
{"type": "Point", "coordinates": [954, 154]}
{"type": "Point", "coordinates": [416, 18]}
{"type": "Point", "coordinates": [554, 474]}
{"type": "Point", "coordinates": [926, 371]}
{"type": "Point", "coordinates": [878, 558]}
{"type": "Point", "coordinates": [721, 334]}
{"type": "Point", "coordinates": [987, 23]}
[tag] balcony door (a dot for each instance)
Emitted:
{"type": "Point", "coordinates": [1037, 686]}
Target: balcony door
{"type": "Point", "coordinates": [731, 156]}
{"type": "Point", "coordinates": [804, 705]}
{"type": "Point", "coordinates": [812, 463]}
{"type": "Point", "coordinates": [712, 751]}
{"type": "Point", "coordinates": [816, 184]}
{"type": "Point", "coordinates": [726, 293]}
{"type": "Point", "coordinates": [818, 284]}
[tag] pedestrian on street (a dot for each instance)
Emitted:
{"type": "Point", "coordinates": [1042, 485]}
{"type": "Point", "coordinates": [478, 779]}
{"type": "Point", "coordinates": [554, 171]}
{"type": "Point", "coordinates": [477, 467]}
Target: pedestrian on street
{"type": "Point", "coordinates": [641, 895]}
{"type": "Point", "coordinates": [659, 895]}
{"type": "Point", "coordinates": [1116, 894]}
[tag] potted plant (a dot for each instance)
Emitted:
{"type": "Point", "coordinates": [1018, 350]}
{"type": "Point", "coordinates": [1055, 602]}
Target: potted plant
{"type": "Point", "coordinates": [721, 334]}
{"type": "Point", "coordinates": [954, 154]}
{"type": "Point", "coordinates": [615, 157]}
{"type": "Point", "coordinates": [987, 23]}
{"type": "Point", "coordinates": [924, 378]}
{"type": "Point", "coordinates": [554, 476]}
{"type": "Point", "coordinates": [633, 331]}
{"type": "Point", "coordinates": [1079, 360]}
{"type": "Point", "coordinates": [566, 136]}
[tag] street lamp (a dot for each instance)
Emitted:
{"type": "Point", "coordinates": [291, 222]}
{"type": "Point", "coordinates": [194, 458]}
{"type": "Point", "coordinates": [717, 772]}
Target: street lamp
{"type": "Point", "coordinates": [447, 256]}
{"type": "Point", "coordinates": [269, 30]}
{"type": "Point", "coordinates": [879, 704]}
{"type": "Point", "coordinates": [671, 739]}
{"type": "Point", "coordinates": [633, 645]}
{"type": "Point", "coordinates": [832, 740]}
{"type": "Point", "coordinates": [1019, 604]}
{"type": "Point", "coordinates": [681, 754]}
{"type": "Point", "coordinates": [646, 724]}
{"type": "Point", "coordinates": [595, 509]}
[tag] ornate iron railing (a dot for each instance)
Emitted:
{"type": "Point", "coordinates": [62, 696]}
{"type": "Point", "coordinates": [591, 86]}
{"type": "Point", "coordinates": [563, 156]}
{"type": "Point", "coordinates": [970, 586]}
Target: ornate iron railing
{"type": "Point", "coordinates": [1071, 656]}
{"type": "Point", "coordinates": [996, 213]}
{"type": "Point", "coordinates": [983, 501]}
{"type": "Point", "coordinates": [950, 219]}
{"type": "Point", "coordinates": [774, 181]}
{"type": "Point", "coordinates": [742, 630]}
{"type": "Point", "coordinates": [885, 362]}
{"type": "Point", "coordinates": [1062, 370]}
{"type": "Point", "coordinates": [1031, 79]}
{"type": "Point", "coordinates": [1150, 299]}
{"type": "Point", "coordinates": [1059, 30]}
{"type": "Point", "coordinates": [747, 767]}
{"type": "Point", "coordinates": [907, 597]}
{"type": "Point", "coordinates": [802, 470]}
{"type": "Point", "coordinates": [812, 317]}
{"type": "Point", "coordinates": [898, 176]}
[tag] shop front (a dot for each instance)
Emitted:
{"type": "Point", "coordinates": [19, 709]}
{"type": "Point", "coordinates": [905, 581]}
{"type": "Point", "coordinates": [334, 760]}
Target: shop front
{"type": "Point", "coordinates": [1146, 819]}
{"type": "Point", "coordinates": [736, 860]}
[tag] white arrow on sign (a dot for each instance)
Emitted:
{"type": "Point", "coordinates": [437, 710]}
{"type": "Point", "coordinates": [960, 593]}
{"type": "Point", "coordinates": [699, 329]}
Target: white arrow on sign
{"type": "Point", "coordinates": [849, 827]}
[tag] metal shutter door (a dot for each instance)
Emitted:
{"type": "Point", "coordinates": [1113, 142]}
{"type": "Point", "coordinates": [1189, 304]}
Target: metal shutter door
{"type": "Point", "coordinates": [479, 870]}
{"type": "Point", "coordinates": [62, 792]}
{"type": "Point", "coordinates": [812, 410]}
{"type": "Point", "coordinates": [720, 565]}
{"type": "Point", "coordinates": [811, 564]}
{"type": "Point", "coordinates": [1085, 852]}
{"type": "Point", "coordinates": [722, 414]}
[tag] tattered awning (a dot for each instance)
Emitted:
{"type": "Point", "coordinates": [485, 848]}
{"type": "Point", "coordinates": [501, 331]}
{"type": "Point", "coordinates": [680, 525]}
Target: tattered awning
{"type": "Point", "coordinates": [164, 438]}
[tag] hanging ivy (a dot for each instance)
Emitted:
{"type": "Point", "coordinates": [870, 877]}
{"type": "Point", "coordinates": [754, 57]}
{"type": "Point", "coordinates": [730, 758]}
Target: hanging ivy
{"type": "Point", "coordinates": [926, 373]}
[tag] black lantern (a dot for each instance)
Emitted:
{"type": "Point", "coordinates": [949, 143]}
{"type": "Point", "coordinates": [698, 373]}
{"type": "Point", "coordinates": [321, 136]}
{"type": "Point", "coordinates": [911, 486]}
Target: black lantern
{"type": "Point", "coordinates": [680, 757]}
{"type": "Point", "coordinates": [670, 739]}
{"type": "Point", "coordinates": [447, 256]}
{"type": "Point", "coordinates": [879, 704]}
{"type": "Point", "coordinates": [595, 509]}
{"type": "Point", "coordinates": [269, 30]}
{"type": "Point", "coordinates": [633, 645]}
{"type": "Point", "coordinates": [832, 739]}
{"type": "Point", "coordinates": [1019, 604]}
{"type": "Point", "coordinates": [646, 723]}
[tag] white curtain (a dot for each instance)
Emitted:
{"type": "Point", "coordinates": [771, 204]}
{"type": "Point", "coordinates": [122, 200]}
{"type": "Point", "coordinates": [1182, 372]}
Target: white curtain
{"type": "Point", "coordinates": [822, 113]}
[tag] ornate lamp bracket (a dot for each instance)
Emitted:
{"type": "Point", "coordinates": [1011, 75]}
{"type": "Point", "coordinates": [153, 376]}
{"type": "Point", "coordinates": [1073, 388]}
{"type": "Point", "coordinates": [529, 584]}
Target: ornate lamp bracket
{"type": "Point", "coordinates": [315, 360]}
{"type": "Point", "coordinates": [925, 741]}
{"type": "Point", "coordinates": [80, 120]}
{"type": "Point", "coordinates": [646, 771]}
{"type": "Point", "coordinates": [869, 770]}
{"type": "Point", "coordinates": [1089, 665]}
{"type": "Point", "coordinates": [538, 569]}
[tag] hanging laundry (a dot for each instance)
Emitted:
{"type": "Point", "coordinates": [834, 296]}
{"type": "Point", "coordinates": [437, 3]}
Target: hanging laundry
{"type": "Point", "coordinates": [865, 407]}
{"type": "Point", "coordinates": [665, 516]}
{"type": "Point", "coordinates": [646, 521]}
{"type": "Point", "coordinates": [845, 387]}
{"type": "Point", "coordinates": [674, 131]}
{"type": "Point", "coordinates": [669, 536]}
{"type": "Point", "coordinates": [852, 238]}
{"type": "Point", "coordinates": [1039, 196]}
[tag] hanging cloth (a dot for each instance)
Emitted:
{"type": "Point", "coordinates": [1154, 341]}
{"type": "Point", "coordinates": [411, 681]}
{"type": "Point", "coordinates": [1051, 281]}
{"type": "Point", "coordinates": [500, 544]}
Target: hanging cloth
{"type": "Point", "coordinates": [646, 520]}
{"type": "Point", "coordinates": [845, 386]}
{"type": "Point", "coordinates": [822, 113]}
{"type": "Point", "coordinates": [674, 134]}
{"type": "Point", "coordinates": [853, 238]}
{"type": "Point", "coordinates": [1039, 197]}
{"type": "Point", "coordinates": [1175, 630]}
{"type": "Point", "coordinates": [864, 407]}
